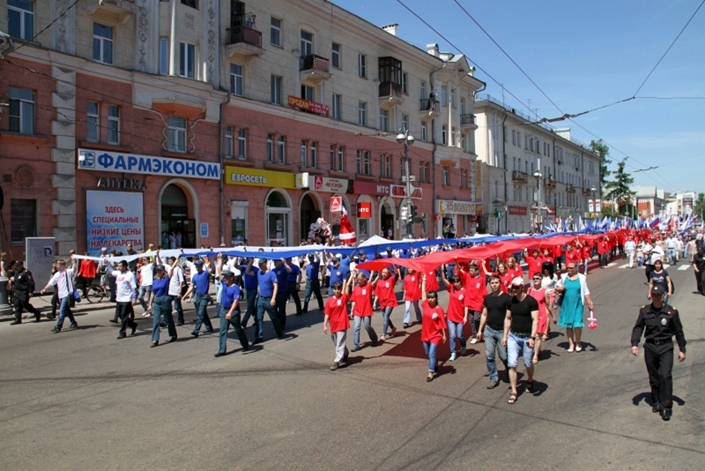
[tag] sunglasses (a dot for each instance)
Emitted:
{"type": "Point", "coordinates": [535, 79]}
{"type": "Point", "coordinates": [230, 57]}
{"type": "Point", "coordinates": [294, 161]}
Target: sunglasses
{"type": "Point", "coordinates": [572, 268]}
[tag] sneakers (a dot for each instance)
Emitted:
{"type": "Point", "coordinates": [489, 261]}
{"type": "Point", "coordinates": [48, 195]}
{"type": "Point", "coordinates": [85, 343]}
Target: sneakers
{"type": "Point", "coordinates": [493, 384]}
{"type": "Point", "coordinates": [463, 351]}
{"type": "Point", "coordinates": [473, 340]}
{"type": "Point", "coordinates": [394, 331]}
{"type": "Point", "coordinates": [73, 327]}
{"type": "Point", "coordinates": [406, 326]}
{"type": "Point", "coordinates": [354, 349]}
{"type": "Point", "coordinates": [55, 330]}
{"type": "Point", "coordinates": [16, 322]}
{"type": "Point", "coordinates": [335, 366]}
{"type": "Point", "coordinates": [453, 357]}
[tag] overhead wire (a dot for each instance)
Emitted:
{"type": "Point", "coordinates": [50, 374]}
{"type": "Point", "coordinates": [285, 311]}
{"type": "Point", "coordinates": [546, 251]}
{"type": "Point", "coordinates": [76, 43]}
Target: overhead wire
{"type": "Point", "coordinates": [51, 23]}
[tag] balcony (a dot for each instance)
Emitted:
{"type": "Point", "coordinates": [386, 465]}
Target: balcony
{"type": "Point", "coordinates": [429, 109]}
{"type": "Point", "coordinates": [467, 122]}
{"type": "Point", "coordinates": [549, 182]}
{"type": "Point", "coordinates": [570, 188]}
{"type": "Point", "coordinates": [587, 191]}
{"type": "Point", "coordinates": [313, 70]}
{"type": "Point", "coordinates": [111, 12]}
{"type": "Point", "coordinates": [243, 43]}
{"type": "Point", "coordinates": [390, 95]}
{"type": "Point", "coordinates": [519, 176]}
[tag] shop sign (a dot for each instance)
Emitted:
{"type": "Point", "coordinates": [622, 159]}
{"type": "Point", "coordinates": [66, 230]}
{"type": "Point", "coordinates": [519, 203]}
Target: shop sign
{"type": "Point", "coordinates": [336, 204]}
{"type": "Point", "coordinates": [320, 183]}
{"type": "Point", "coordinates": [259, 177]}
{"type": "Point", "coordinates": [478, 209]}
{"type": "Point", "coordinates": [370, 188]}
{"type": "Point", "coordinates": [364, 210]}
{"type": "Point", "coordinates": [456, 207]}
{"type": "Point", "coordinates": [517, 210]}
{"type": "Point", "coordinates": [146, 164]}
{"type": "Point", "coordinates": [309, 106]}
{"type": "Point", "coordinates": [399, 191]}
{"type": "Point", "coordinates": [122, 183]}
{"type": "Point", "coordinates": [591, 207]}
{"type": "Point", "coordinates": [114, 219]}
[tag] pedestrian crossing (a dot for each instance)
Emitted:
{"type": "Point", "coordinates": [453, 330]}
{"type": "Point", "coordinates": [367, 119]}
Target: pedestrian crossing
{"type": "Point", "coordinates": [683, 268]}
{"type": "Point", "coordinates": [665, 267]}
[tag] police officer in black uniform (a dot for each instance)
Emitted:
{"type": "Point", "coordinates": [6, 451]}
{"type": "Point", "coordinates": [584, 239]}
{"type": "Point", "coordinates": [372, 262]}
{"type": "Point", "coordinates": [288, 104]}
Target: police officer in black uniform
{"type": "Point", "coordinates": [23, 284]}
{"type": "Point", "coordinates": [661, 322]}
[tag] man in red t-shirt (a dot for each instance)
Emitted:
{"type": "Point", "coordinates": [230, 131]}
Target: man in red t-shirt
{"type": "Point", "coordinates": [336, 315]}
{"type": "Point", "coordinates": [513, 267]}
{"type": "Point", "coordinates": [475, 294]}
{"type": "Point", "coordinates": [361, 308]}
{"type": "Point", "coordinates": [86, 270]}
{"type": "Point", "coordinates": [384, 292]}
{"type": "Point", "coordinates": [412, 295]}
{"type": "Point", "coordinates": [433, 328]}
{"type": "Point", "coordinates": [535, 260]}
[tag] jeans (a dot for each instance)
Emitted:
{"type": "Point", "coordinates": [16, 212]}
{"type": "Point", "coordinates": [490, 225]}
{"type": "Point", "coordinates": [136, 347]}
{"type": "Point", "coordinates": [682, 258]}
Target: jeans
{"type": "Point", "coordinates": [225, 325]}
{"type": "Point", "coordinates": [386, 321]}
{"type": "Point", "coordinates": [145, 291]}
{"type": "Point", "coordinates": [201, 303]}
{"type": "Point", "coordinates": [603, 260]}
{"type": "Point", "coordinates": [672, 256]}
{"type": "Point", "coordinates": [367, 321]}
{"type": "Point", "coordinates": [162, 307]}
{"type": "Point", "coordinates": [493, 342]}
{"type": "Point", "coordinates": [65, 311]}
{"type": "Point", "coordinates": [313, 286]}
{"type": "Point", "coordinates": [407, 311]}
{"type": "Point", "coordinates": [251, 300]}
{"type": "Point", "coordinates": [474, 318]}
{"type": "Point", "coordinates": [431, 349]}
{"type": "Point", "coordinates": [176, 306]}
{"type": "Point", "coordinates": [281, 308]}
{"type": "Point", "coordinates": [585, 266]}
{"type": "Point", "coordinates": [519, 345]}
{"type": "Point", "coordinates": [262, 306]}
{"type": "Point", "coordinates": [455, 329]}
{"type": "Point", "coordinates": [293, 288]}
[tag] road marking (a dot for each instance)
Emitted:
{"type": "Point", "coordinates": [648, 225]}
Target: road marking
{"type": "Point", "coordinates": [684, 267]}
{"type": "Point", "coordinates": [612, 264]}
{"type": "Point", "coordinates": [624, 266]}
{"type": "Point", "coordinates": [666, 266]}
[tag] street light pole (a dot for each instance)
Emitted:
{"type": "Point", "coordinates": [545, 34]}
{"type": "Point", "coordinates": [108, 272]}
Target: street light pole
{"type": "Point", "coordinates": [539, 189]}
{"type": "Point", "coordinates": [404, 138]}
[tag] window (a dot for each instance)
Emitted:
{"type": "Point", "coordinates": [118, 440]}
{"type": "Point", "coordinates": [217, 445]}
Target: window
{"type": "Point", "coordinates": [362, 113]}
{"type": "Point", "coordinates": [519, 138]}
{"type": "Point", "coordinates": [23, 220]}
{"type": "Point", "coordinates": [422, 90]}
{"type": "Point", "coordinates": [332, 157]}
{"type": "Point", "coordinates": [270, 147]}
{"type": "Point", "coordinates": [337, 158]}
{"type": "Point", "coordinates": [405, 122]}
{"type": "Point", "coordinates": [336, 101]}
{"type": "Point", "coordinates": [113, 124]}
{"type": "Point", "coordinates": [275, 32]}
{"type": "Point", "coordinates": [229, 141]}
{"type": "Point", "coordinates": [404, 83]}
{"type": "Point", "coordinates": [164, 56]}
{"type": "Point", "coordinates": [242, 143]}
{"type": "Point", "coordinates": [364, 162]}
{"type": "Point", "coordinates": [452, 97]}
{"type": "Point", "coordinates": [306, 43]}
{"type": "Point", "coordinates": [313, 153]}
{"type": "Point", "coordinates": [281, 150]}
{"type": "Point", "coordinates": [444, 96]}
{"type": "Point", "coordinates": [102, 43]}
{"type": "Point", "coordinates": [453, 134]}
{"type": "Point", "coordinates": [236, 79]}
{"type": "Point", "coordinates": [335, 56]}
{"type": "Point", "coordinates": [341, 159]}
{"type": "Point", "coordinates": [423, 131]}
{"type": "Point", "coordinates": [176, 134]}
{"type": "Point", "coordinates": [462, 108]}
{"type": "Point", "coordinates": [383, 120]}
{"type": "Point", "coordinates": [425, 172]}
{"type": "Point", "coordinates": [446, 176]}
{"type": "Point", "coordinates": [444, 132]}
{"type": "Point", "coordinates": [190, 3]}
{"type": "Point", "coordinates": [463, 179]}
{"type": "Point", "coordinates": [362, 65]}
{"type": "Point", "coordinates": [304, 153]}
{"type": "Point", "coordinates": [386, 166]}
{"type": "Point", "coordinates": [21, 110]}
{"type": "Point", "coordinates": [514, 137]}
{"type": "Point", "coordinates": [92, 122]}
{"type": "Point", "coordinates": [20, 19]}
{"type": "Point", "coordinates": [238, 224]}
{"type": "Point", "coordinates": [276, 89]}
{"type": "Point", "coordinates": [187, 63]}
{"type": "Point", "coordinates": [307, 93]}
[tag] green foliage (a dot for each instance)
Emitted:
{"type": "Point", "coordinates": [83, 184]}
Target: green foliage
{"type": "Point", "coordinates": [599, 147]}
{"type": "Point", "coordinates": [699, 207]}
{"type": "Point", "coordinates": [618, 189]}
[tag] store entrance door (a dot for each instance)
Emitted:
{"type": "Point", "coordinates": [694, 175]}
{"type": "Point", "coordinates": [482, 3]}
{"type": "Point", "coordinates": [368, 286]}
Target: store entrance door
{"type": "Point", "coordinates": [387, 219]}
{"type": "Point", "coordinates": [309, 214]}
{"type": "Point", "coordinates": [175, 220]}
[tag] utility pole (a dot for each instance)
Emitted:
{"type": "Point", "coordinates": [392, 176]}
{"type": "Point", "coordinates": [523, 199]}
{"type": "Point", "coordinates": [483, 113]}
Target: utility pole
{"type": "Point", "coordinates": [404, 138]}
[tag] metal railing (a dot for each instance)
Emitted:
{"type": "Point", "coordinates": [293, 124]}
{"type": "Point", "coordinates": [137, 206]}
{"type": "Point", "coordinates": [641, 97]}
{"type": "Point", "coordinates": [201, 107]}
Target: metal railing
{"type": "Point", "coordinates": [243, 34]}
{"type": "Point", "coordinates": [314, 62]}
{"type": "Point", "coordinates": [428, 105]}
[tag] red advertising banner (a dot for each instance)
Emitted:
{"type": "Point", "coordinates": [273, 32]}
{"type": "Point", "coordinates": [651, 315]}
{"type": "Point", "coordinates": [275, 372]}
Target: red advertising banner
{"type": "Point", "coordinates": [399, 191]}
{"type": "Point", "coordinates": [364, 210]}
{"type": "Point", "coordinates": [518, 210]}
{"type": "Point", "coordinates": [309, 106]}
{"type": "Point", "coordinates": [336, 204]}
{"type": "Point", "coordinates": [370, 188]}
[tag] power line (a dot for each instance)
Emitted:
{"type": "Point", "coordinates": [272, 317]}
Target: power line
{"type": "Point", "coordinates": [669, 47]}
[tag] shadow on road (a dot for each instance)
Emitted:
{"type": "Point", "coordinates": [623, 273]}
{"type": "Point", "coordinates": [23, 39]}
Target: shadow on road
{"type": "Point", "coordinates": [646, 397]}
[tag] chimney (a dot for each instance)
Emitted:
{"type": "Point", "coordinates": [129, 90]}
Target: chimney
{"type": "Point", "coordinates": [432, 49]}
{"type": "Point", "coordinates": [391, 29]}
{"type": "Point", "coordinates": [563, 132]}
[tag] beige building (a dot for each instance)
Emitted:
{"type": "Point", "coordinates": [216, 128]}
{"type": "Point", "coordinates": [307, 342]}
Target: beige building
{"type": "Point", "coordinates": [534, 172]}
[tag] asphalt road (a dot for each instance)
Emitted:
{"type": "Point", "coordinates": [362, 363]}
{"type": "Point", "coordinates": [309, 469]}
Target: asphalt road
{"type": "Point", "coordinates": [83, 400]}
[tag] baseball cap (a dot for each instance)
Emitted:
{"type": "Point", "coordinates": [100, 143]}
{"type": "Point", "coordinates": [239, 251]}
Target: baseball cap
{"type": "Point", "coordinates": [518, 281]}
{"type": "Point", "coordinates": [262, 261]}
{"type": "Point", "coordinates": [159, 268]}
{"type": "Point", "coordinates": [228, 273]}
{"type": "Point", "coordinates": [198, 263]}
{"type": "Point", "coordinates": [658, 290]}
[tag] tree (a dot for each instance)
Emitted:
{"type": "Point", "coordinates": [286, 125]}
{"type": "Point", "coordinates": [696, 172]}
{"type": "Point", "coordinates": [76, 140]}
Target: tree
{"type": "Point", "coordinates": [699, 208]}
{"type": "Point", "coordinates": [618, 189]}
{"type": "Point", "coordinates": [603, 150]}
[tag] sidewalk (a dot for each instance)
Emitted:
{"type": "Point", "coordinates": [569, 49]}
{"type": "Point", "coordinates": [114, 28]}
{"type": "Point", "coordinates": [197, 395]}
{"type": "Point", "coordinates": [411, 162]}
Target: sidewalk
{"type": "Point", "coordinates": [43, 304]}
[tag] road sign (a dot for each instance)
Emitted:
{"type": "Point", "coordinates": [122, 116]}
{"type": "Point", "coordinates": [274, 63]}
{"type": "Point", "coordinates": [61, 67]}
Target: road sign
{"type": "Point", "coordinates": [403, 212]}
{"type": "Point", "coordinates": [412, 178]}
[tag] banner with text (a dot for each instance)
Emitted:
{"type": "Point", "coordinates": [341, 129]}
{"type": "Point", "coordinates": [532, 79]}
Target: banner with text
{"type": "Point", "coordinates": [146, 164]}
{"type": "Point", "coordinates": [114, 219]}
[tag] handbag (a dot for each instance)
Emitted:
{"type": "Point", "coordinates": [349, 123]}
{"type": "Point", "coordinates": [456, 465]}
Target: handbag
{"type": "Point", "coordinates": [76, 296]}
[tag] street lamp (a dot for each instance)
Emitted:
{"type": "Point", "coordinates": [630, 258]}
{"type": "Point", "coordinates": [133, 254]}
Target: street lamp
{"type": "Point", "coordinates": [498, 205]}
{"type": "Point", "coordinates": [539, 189]}
{"type": "Point", "coordinates": [594, 202]}
{"type": "Point", "coordinates": [404, 138]}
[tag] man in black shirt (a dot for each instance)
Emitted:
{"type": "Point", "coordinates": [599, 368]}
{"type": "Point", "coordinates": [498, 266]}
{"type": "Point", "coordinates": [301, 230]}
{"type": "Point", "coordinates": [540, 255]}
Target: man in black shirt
{"type": "Point", "coordinates": [494, 310]}
{"type": "Point", "coordinates": [23, 284]}
{"type": "Point", "coordinates": [661, 322]}
{"type": "Point", "coordinates": [520, 326]}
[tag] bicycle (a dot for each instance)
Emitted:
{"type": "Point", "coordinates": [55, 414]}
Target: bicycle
{"type": "Point", "coordinates": [96, 292]}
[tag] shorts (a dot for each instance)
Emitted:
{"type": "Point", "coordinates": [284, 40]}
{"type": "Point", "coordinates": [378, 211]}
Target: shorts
{"type": "Point", "coordinates": [515, 347]}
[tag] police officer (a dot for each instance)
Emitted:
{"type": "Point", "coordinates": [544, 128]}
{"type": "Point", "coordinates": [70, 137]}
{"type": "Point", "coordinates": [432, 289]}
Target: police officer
{"type": "Point", "coordinates": [23, 284]}
{"type": "Point", "coordinates": [661, 322]}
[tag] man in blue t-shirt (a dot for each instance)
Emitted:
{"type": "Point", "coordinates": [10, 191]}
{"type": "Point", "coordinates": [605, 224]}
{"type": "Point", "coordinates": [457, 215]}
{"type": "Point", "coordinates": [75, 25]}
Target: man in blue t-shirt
{"type": "Point", "coordinates": [293, 281]}
{"type": "Point", "coordinates": [268, 286]}
{"type": "Point", "coordinates": [313, 284]}
{"type": "Point", "coordinates": [282, 271]}
{"type": "Point", "coordinates": [230, 313]}
{"type": "Point", "coordinates": [250, 285]}
{"type": "Point", "coordinates": [200, 284]}
{"type": "Point", "coordinates": [336, 274]}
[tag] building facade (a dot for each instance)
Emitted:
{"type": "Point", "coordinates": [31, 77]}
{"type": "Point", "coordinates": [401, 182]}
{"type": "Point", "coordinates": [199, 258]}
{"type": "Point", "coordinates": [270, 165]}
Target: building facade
{"type": "Point", "coordinates": [221, 122]}
{"type": "Point", "coordinates": [531, 172]}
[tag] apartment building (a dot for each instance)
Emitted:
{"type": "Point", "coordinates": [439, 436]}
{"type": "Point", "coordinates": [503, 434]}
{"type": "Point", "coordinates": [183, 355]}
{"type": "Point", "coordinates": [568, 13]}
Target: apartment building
{"type": "Point", "coordinates": [225, 121]}
{"type": "Point", "coordinates": [531, 171]}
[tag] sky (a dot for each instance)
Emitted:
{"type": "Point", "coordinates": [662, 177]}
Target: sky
{"type": "Point", "coordinates": [583, 55]}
